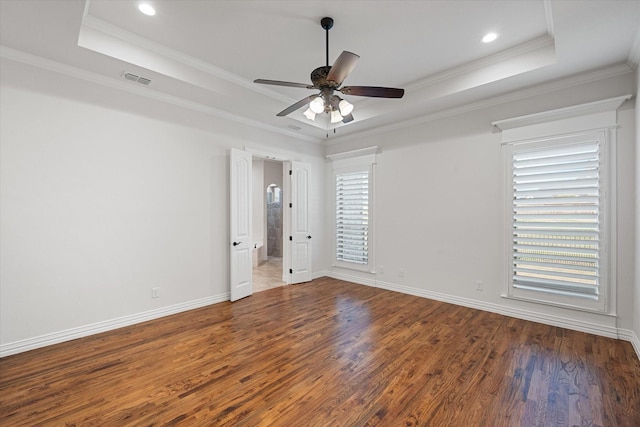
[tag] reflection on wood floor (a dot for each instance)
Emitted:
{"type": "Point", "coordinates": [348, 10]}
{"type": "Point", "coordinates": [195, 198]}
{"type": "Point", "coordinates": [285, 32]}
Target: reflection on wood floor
{"type": "Point", "coordinates": [268, 275]}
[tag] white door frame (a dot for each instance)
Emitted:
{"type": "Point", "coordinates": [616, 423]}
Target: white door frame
{"type": "Point", "coordinates": [287, 267]}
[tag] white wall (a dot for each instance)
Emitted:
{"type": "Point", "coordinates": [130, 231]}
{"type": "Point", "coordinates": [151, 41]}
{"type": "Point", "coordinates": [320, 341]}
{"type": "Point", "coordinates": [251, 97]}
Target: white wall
{"type": "Point", "coordinates": [272, 173]}
{"type": "Point", "coordinates": [438, 208]}
{"type": "Point", "coordinates": [104, 195]}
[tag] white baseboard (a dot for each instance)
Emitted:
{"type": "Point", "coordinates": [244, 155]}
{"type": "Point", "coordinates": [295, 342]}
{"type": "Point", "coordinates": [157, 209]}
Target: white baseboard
{"type": "Point", "coordinates": [107, 325]}
{"type": "Point", "coordinates": [318, 274]}
{"type": "Point", "coordinates": [95, 328]}
{"type": "Point", "coordinates": [518, 313]}
{"type": "Point", "coordinates": [632, 337]}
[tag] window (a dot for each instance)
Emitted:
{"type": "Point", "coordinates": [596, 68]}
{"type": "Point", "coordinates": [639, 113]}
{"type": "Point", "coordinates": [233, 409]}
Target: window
{"type": "Point", "coordinates": [352, 217]}
{"type": "Point", "coordinates": [560, 190]}
{"type": "Point", "coordinates": [353, 183]}
{"type": "Point", "coordinates": [274, 194]}
{"type": "Point", "coordinates": [557, 217]}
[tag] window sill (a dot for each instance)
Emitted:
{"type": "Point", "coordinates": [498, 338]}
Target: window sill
{"type": "Point", "coordinates": [353, 267]}
{"type": "Point", "coordinates": [568, 305]}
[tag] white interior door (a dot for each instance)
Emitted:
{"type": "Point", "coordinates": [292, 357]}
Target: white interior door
{"type": "Point", "coordinates": [240, 225]}
{"type": "Point", "coordinates": [301, 237]}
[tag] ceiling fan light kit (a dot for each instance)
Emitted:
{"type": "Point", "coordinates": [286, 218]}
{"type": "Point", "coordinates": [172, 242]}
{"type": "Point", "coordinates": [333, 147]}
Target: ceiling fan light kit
{"type": "Point", "coordinates": [309, 114]}
{"type": "Point", "coordinates": [328, 79]}
{"type": "Point", "coordinates": [345, 107]}
{"type": "Point", "coordinates": [336, 117]}
{"type": "Point", "coordinates": [317, 105]}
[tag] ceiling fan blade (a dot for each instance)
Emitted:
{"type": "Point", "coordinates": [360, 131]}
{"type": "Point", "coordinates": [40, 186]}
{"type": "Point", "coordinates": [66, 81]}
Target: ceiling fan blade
{"type": "Point", "coordinates": [348, 118]}
{"type": "Point", "coordinates": [297, 105]}
{"type": "Point", "coordinates": [342, 67]}
{"type": "Point", "coordinates": [279, 83]}
{"type": "Point", "coordinates": [373, 91]}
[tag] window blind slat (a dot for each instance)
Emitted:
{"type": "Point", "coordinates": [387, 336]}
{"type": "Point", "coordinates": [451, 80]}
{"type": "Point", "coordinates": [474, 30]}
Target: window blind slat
{"type": "Point", "coordinates": [567, 159]}
{"type": "Point", "coordinates": [550, 175]}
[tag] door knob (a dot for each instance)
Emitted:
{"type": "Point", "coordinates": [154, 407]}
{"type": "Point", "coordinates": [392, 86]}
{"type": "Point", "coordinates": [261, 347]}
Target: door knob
{"type": "Point", "coordinates": [236, 243]}
{"type": "Point", "coordinates": [308, 237]}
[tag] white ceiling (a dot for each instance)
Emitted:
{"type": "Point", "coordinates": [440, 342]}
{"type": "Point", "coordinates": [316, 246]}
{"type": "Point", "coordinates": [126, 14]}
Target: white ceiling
{"type": "Point", "coordinates": [204, 55]}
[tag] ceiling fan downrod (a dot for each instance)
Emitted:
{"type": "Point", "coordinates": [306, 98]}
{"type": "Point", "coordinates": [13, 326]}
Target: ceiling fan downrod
{"type": "Point", "coordinates": [327, 24]}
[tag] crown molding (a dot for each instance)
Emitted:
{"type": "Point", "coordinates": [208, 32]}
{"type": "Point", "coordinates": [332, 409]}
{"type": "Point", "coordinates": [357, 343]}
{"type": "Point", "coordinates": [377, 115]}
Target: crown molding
{"type": "Point", "coordinates": [562, 113]}
{"type": "Point", "coordinates": [538, 44]}
{"type": "Point", "coordinates": [147, 92]}
{"type": "Point", "coordinates": [189, 61]}
{"type": "Point", "coordinates": [450, 77]}
{"type": "Point", "coordinates": [541, 89]}
{"type": "Point", "coordinates": [368, 151]}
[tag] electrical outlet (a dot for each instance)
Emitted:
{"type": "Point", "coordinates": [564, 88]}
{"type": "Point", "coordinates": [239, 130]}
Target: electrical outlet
{"type": "Point", "coordinates": [155, 292]}
{"type": "Point", "coordinates": [479, 285]}
{"type": "Point", "coordinates": [381, 270]}
{"type": "Point", "coordinates": [401, 272]}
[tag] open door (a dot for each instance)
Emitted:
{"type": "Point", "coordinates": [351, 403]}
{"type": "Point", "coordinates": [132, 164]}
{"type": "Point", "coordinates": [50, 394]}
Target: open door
{"type": "Point", "coordinates": [240, 225]}
{"type": "Point", "coordinates": [301, 237]}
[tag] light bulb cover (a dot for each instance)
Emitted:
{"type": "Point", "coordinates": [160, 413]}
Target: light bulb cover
{"type": "Point", "coordinates": [489, 37]}
{"type": "Point", "coordinates": [317, 105]}
{"type": "Point", "coordinates": [147, 9]}
{"type": "Point", "coordinates": [335, 116]}
{"type": "Point", "coordinates": [345, 107]}
{"type": "Point", "coordinates": [309, 114]}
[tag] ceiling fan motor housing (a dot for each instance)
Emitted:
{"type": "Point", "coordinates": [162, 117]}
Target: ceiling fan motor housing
{"type": "Point", "coordinates": [319, 77]}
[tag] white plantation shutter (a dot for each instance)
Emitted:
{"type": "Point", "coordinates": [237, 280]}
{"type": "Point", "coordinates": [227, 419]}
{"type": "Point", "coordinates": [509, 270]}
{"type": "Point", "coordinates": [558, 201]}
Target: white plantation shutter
{"type": "Point", "coordinates": [556, 219]}
{"type": "Point", "coordinates": [560, 199]}
{"type": "Point", "coordinates": [352, 217]}
{"type": "Point", "coordinates": [353, 231]}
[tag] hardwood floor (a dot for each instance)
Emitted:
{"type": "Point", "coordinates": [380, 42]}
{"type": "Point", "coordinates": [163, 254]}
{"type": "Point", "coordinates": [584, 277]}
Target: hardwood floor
{"type": "Point", "coordinates": [327, 353]}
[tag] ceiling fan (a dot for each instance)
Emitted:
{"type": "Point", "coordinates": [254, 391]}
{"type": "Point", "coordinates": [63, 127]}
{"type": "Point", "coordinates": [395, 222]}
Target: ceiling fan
{"type": "Point", "coordinates": [328, 79]}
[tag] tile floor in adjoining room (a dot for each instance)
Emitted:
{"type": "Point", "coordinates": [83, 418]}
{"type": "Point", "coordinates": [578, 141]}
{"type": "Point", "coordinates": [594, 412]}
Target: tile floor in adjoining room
{"type": "Point", "coordinates": [268, 275]}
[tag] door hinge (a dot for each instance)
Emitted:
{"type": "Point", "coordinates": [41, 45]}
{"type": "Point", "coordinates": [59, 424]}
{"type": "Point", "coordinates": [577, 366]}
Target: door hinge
{"type": "Point", "coordinates": [290, 205]}
{"type": "Point", "coordinates": [290, 271]}
{"type": "Point", "coordinates": [290, 172]}
{"type": "Point", "coordinates": [291, 238]}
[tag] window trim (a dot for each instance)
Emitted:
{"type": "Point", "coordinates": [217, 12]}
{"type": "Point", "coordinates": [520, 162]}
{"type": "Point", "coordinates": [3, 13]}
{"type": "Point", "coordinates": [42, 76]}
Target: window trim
{"type": "Point", "coordinates": [593, 117]}
{"type": "Point", "coordinates": [607, 225]}
{"type": "Point", "coordinates": [354, 161]}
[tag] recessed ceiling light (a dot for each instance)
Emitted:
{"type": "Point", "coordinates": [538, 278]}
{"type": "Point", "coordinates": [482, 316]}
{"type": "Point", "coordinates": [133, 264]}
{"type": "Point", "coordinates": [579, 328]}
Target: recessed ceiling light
{"type": "Point", "coordinates": [147, 9]}
{"type": "Point", "coordinates": [489, 37]}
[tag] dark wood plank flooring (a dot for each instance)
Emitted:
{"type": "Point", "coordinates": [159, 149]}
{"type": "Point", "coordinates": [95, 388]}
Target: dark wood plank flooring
{"type": "Point", "coordinates": [327, 353]}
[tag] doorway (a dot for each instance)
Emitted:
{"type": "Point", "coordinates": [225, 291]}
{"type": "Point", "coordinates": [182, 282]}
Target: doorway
{"type": "Point", "coordinates": [247, 246]}
{"type": "Point", "coordinates": [268, 201]}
